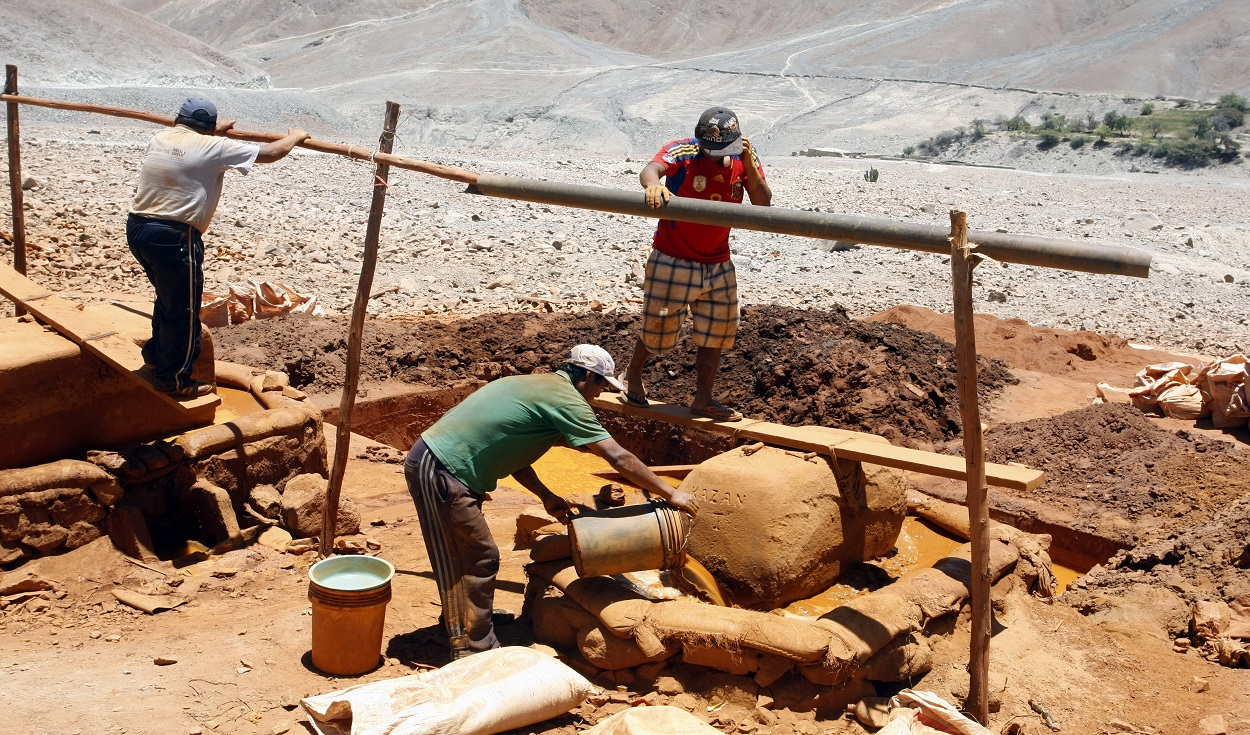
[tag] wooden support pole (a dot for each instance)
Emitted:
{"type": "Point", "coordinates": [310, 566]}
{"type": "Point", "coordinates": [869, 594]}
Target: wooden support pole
{"type": "Point", "coordinates": [15, 177]}
{"type": "Point", "coordinates": [351, 151]}
{"type": "Point", "coordinates": [962, 263]}
{"type": "Point", "coordinates": [356, 334]}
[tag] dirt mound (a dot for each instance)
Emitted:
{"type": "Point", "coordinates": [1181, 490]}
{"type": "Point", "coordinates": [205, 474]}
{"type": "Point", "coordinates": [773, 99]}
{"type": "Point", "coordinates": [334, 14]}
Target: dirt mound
{"type": "Point", "coordinates": [791, 366]}
{"type": "Point", "coordinates": [1101, 357]}
{"type": "Point", "coordinates": [1110, 460]}
{"type": "Point", "coordinates": [1210, 559]}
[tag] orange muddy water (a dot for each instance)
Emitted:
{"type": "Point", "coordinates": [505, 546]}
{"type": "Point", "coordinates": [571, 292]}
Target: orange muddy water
{"type": "Point", "coordinates": [568, 473]}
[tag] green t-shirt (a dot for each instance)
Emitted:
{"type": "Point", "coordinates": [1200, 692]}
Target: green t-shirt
{"type": "Point", "coordinates": [507, 424]}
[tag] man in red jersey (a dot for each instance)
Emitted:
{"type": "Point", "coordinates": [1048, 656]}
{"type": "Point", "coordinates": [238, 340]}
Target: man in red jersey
{"type": "Point", "coordinates": [690, 268]}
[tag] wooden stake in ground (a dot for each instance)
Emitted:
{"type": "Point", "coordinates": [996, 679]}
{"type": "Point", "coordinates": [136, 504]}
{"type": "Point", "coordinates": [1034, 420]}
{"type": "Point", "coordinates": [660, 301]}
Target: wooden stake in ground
{"type": "Point", "coordinates": [962, 263]}
{"type": "Point", "coordinates": [355, 335]}
{"type": "Point", "coordinates": [15, 177]}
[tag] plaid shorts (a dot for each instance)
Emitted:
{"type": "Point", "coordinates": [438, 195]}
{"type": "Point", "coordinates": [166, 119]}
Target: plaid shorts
{"type": "Point", "coordinates": [674, 286]}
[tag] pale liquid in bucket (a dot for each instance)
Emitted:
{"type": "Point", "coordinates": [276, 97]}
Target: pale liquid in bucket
{"type": "Point", "coordinates": [350, 581]}
{"type": "Point", "coordinates": [567, 472]}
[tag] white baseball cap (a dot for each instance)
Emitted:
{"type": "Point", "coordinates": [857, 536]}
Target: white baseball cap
{"type": "Point", "coordinates": [597, 360]}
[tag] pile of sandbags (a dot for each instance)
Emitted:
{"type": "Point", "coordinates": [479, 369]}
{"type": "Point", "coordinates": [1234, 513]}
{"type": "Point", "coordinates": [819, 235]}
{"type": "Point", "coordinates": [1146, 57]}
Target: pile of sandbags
{"type": "Point", "coordinates": [257, 300]}
{"type": "Point", "coordinates": [1190, 392]}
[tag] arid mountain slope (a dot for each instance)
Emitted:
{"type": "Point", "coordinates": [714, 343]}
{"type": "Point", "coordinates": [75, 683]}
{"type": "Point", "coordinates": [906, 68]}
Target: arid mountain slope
{"type": "Point", "coordinates": [596, 75]}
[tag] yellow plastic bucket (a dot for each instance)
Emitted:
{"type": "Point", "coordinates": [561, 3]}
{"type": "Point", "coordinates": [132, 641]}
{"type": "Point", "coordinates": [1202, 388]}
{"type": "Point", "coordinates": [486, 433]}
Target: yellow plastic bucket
{"type": "Point", "coordinates": [630, 538]}
{"type": "Point", "coordinates": [349, 596]}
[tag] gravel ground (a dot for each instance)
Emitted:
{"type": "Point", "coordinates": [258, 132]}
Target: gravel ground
{"type": "Point", "coordinates": [445, 252]}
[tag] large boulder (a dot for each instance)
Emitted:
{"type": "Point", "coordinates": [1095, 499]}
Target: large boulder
{"type": "Point", "coordinates": [775, 526]}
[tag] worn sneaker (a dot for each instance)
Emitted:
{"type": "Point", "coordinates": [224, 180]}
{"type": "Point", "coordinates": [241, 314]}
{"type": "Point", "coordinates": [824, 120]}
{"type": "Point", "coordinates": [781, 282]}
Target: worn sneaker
{"type": "Point", "coordinates": [194, 389]}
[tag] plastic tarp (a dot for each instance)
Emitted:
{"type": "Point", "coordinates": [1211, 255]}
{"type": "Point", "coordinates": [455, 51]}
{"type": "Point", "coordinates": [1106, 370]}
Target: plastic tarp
{"type": "Point", "coordinates": [486, 693]}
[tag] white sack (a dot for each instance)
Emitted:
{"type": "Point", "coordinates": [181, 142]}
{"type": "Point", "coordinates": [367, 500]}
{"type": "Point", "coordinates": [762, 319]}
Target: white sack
{"type": "Point", "coordinates": [662, 720]}
{"type": "Point", "coordinates": [486, 693]}
{"type": "Point", "coordinates": [925, 713]}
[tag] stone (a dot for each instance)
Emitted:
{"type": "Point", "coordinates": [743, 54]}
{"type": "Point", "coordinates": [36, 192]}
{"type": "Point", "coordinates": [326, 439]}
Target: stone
{"type": "Point", "coordinates": [74, 507]}
{"type": "Point", "coordinates": [29, 183]}
{"type": "Point", "coordinates": [775, 527]}
{"type": "Point", "coordinates": [45, 537]}
{"type": "Point", "coordinates": [128, 531]}
{"type": "Point", "coordinates": [1211, 618]}
{"type": "Point", "coordinates": [164, 661]}
{"type": "Point", "coordinates": [1213, 725]}
{"type": "Point", "coordinates": [266, 500]}
{"type": "Point", "coordinates": [81, 534]}
{"type": "Point", "coordinates": [11, 553]}
{"type": "Point", "coordinates": [214, 511]}
{"type": "Point", "coordinates": [24, 581]}
{"type": "Point", "coordinates": [275, 538]}
{"type": "Point", "coordinates": [303, 500]}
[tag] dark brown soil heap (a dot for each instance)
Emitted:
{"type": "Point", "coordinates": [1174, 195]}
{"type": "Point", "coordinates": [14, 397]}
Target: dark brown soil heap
{"type": "Point", "coordinates": [1110, 459]}
{"type": "Point", "coordinates": [790, 366]}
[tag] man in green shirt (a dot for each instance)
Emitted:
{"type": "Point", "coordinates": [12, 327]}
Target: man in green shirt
{"type": "Point", "coordinates": [501, 430]}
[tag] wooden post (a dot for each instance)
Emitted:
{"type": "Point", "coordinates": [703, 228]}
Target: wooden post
{"type": "Point", "coordinates": [356, 334]}
{"type": "Point", "coordinates": [15, 177]}
{"type": "Point", "coordinates": [962, 263]}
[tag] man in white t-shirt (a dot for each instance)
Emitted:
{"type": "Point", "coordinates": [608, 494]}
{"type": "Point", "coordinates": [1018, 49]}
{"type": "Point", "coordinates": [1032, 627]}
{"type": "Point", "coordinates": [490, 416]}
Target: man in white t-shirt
{"type": "Point", "coordinates": [179, 187]}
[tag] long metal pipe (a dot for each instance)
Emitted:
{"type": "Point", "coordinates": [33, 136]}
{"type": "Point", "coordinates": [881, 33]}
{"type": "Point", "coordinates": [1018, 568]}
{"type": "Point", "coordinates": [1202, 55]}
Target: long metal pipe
{"type": "Point", "coordinates": [1044, 252]}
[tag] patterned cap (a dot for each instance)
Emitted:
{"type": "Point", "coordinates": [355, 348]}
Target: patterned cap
{"type": "Point", "coordinates": [718, 132]}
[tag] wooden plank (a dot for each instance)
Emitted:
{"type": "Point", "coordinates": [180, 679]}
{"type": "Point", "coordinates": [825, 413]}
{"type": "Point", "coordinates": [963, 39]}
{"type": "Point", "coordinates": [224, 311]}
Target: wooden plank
{"type": "Point", "coordinates": [841, 443]}
{"type": "Point", "coordinates": [92, 336]}
{"type": "Point", "coordinates": [670, 470]}
{"type": "Point", "coordinates": [940, 465]}
{"type": "Point", "coordinates": [669, 413]}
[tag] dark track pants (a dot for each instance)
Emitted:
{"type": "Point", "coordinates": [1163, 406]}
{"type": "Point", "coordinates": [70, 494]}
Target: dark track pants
{"type": "Point", "coordinates": [172, 256]}
{"type": "Point", "coordinates": [462, 551]}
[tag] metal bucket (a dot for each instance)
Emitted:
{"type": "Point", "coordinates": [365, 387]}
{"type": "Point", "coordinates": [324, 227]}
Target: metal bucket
{"type": "Point", "coordinates": [630, 538]}
{"type": "Point", "coordinates": [349, 596]}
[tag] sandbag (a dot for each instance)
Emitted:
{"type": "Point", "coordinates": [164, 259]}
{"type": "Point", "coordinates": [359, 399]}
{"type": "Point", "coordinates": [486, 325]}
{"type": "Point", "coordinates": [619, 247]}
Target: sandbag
{"type": "Point", "coordinates": [662, 720]}
{"type": "Point", "coordinates": [1225, 382]}
{"type": "Point", "coordinates": [483, 694]}
{"type": "Point", "coordinates": [611, 653]}
{"type": "Point", "coordinates": [776, 526]}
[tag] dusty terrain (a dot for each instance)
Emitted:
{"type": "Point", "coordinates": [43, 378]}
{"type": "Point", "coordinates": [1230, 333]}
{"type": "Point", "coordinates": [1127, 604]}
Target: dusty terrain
{"type": "Point", "coordinates": [491, 287]}
{"type": "Point", "coordinates": [1107, 664]}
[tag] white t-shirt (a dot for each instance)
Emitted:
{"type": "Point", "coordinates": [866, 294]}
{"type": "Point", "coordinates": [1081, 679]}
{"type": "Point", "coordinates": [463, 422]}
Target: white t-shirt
{"type": "Point", "coordinates": [182, 174]}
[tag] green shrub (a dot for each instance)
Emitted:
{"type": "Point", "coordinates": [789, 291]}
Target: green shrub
{"type": "Point", "coordinates": [1152, 127]}
{"type": "Point", "coordinates": [1203, 125]}
{"type": "Point", "coordinates": [1184, 153]}
{"type": "Point", "coordinates": [909, 151]}
{"type": "Point", "coordinates": [1147, 109]}
{"type": "Point", "coordinates": [1116, 122]}
{"type": "Point", "coordinates": [1078, 141]}
{"type": "Point", "coordinates": [978, 129]}
{"type": "Point", "coordinates": [1235, 101]}
{"type": "Point", "coordinates": [1016, 124]}
{"type": "Point", "coordinates": [1051, 121]}
{"type": "Point", "coordinates": [1227, 118]}
{"type": "Point", "coordinates": [1049, 139]}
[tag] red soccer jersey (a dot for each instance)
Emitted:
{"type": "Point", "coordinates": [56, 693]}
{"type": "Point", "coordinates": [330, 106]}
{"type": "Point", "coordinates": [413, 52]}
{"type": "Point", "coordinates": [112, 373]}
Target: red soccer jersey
{"type": "Point", "coordinates": [690, 174]}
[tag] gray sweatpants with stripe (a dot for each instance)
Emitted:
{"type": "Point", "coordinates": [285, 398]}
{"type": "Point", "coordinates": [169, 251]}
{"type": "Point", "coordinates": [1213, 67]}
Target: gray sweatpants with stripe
{"type": "Point", "coordinates": [462, 551]}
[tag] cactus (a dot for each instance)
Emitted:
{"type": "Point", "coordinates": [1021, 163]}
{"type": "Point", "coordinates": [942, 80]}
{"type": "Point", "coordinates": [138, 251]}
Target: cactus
{"type": "Point", "coordinates": [871, 175]}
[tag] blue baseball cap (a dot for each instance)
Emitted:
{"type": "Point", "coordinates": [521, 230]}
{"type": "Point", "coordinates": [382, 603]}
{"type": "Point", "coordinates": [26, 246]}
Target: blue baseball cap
{"type": "Point", "coordinates": [200, 111]}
